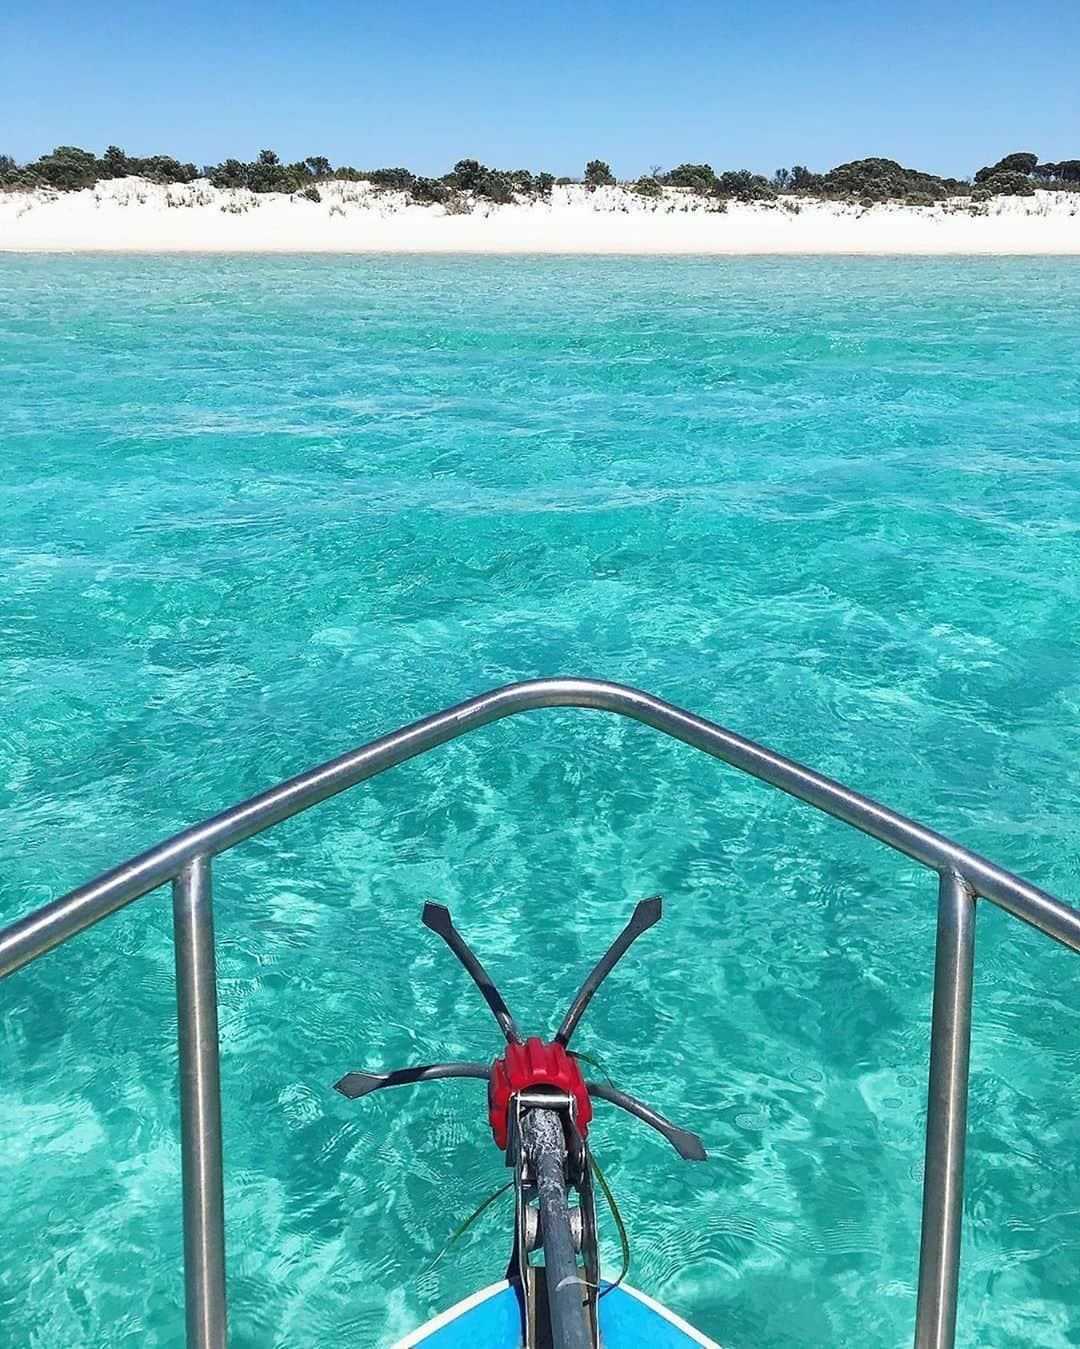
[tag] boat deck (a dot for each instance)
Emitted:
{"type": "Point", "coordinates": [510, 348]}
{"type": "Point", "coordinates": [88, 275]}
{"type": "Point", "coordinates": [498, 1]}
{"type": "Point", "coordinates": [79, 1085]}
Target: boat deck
{"type": "Point", "coordinates": [490, 1319]}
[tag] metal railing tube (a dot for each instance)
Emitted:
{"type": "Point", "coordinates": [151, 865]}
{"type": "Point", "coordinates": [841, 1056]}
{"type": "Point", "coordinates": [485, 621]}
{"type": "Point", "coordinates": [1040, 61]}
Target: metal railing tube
{"type": "Point", "coordinates": [200, 1107]}
{"type": "Point", "coordinates": [946, 1120]}
{"type": "Point", "coordinates": [45, 928]}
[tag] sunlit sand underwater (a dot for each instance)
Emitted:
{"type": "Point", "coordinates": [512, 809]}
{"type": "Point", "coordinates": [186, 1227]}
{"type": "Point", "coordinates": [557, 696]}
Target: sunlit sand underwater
{"type": "Point", "coordinates": [256, 512]}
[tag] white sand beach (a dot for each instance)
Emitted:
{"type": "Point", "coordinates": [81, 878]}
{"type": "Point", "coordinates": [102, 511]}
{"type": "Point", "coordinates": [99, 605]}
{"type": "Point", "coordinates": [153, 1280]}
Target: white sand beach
{"type": "Point", "coordinates": [132, 215]}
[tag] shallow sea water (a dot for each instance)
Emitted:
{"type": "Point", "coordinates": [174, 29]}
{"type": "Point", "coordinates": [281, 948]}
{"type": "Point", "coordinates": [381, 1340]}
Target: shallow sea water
{"type": "Point", "coordinates": [255, 512]}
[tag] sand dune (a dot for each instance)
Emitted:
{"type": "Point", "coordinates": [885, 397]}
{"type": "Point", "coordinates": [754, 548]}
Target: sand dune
{"type": "Point", "coordinates": [131, 215]}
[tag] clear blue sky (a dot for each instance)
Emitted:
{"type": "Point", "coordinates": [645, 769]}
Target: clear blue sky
{"type": "Point", "coordinates": [944, 85]}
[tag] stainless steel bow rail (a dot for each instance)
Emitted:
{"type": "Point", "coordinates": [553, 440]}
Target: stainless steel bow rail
{"type": "Point", "coordinates": [184, 860]}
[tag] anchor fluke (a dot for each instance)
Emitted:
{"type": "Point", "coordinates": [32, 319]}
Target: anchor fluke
{"type": "Point", "coordinates": [688, 1145]}
{"type": "Point", "coordinates": [646, 913]}
{"type": "Point", "coordinates": [437, 918]}
{"type": "Point", "coordinates": [355, 1085]}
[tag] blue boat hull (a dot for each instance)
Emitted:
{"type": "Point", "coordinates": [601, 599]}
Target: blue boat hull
{"type": "Point", "coordinates": [490, 1320]}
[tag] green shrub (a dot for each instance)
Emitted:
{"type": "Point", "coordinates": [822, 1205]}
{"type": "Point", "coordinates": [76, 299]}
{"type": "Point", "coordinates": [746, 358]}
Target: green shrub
{"type": "Point", "coordinates": [13, 176]}
{"type": "Point", "coordinates": [1023, 163]}
{"type": "Point", "coordinates": [467, 174]}
{"type": "Point", "coordinates": [20, 179]}
{"type": "Point", "coordinates": [759, 189]}
{"type": "Point", "coordinates": [981, 193]}
{"type": "Point", "coordinates": [395, 180]}
{"type": "Point", "coordinates": [428, 190]}
{"type": "Point", "coordinates": [880, 180]}
{"type": "Point", "coordinates": [598, 174]}
{"type": "Point", "coordinates": [1065, 172]}
{"type": "Point", "coordinates": [311, 193]}
{"type": "Point", "coordinates": [68, 168]}
{"type": "Point", "coordinates": [697, 177]}
{"type": "Point", "coordinates": [228, 174]}
{"type": "Point", "coordinates": [114, 163]}
{"type": "Point", "coordinates": [497, 186]}
{"type": "Point", "coordinates": [161, 169]}
{"type": "Point", "coordinates": [268, 174]}
{"type": "Point", "coordinates": [1009, 183]}
{"type": "Point", "coordinates": [802, 180]}
{"type": "Point", "coordinates": [745, 186]}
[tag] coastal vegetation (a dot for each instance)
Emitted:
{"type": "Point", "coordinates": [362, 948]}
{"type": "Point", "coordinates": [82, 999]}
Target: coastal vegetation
{"type": "Point", "coordinates": [69, 168]}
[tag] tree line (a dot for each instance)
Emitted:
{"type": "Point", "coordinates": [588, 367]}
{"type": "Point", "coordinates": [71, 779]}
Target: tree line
{"type": "Point", "coordinates": [69, 168]}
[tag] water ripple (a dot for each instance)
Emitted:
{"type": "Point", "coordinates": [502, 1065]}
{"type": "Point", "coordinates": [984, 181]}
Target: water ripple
{"type": "Point", "coordinates": [256, 511]}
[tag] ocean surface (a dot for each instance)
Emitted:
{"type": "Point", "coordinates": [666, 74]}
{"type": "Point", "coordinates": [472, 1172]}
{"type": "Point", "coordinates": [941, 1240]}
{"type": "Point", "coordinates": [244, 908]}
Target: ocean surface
{"type": "Point", "coordinates": [256, 512]}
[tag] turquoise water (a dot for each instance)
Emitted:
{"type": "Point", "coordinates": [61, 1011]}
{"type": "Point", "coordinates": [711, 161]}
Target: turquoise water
{"type": "Point", "coordinates": [255, 512]}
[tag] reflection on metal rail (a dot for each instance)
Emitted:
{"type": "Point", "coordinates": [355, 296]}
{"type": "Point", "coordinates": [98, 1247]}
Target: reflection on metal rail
{"type": "Point", "coordinates": [185, 861]}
